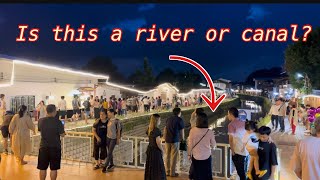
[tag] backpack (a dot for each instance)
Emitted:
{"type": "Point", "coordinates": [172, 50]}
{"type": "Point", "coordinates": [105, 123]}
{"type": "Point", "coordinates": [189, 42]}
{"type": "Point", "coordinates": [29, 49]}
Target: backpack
{"type": "Point", "coordinates": [121, 127]}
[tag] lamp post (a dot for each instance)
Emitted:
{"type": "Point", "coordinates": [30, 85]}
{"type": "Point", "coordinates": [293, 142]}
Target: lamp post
{"type": "Point", "coordinates": [306, 82]}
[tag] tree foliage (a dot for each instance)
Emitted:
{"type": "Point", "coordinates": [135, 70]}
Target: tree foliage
{"type": "Point", "coordinates": [304, 57]}
{"type": "Point", "coordinates": [166, 75]}
{"type": "Point", "coordinates": [143, 78]}
{"type": "Point", "coordinates": [104, 65]}
{"type": "Point", "coordinates": [263, 73]}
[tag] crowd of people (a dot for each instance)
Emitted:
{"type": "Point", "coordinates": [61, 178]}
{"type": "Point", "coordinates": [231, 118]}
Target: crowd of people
{"type": "Point", "coordinates": [91, 106]}
{"type": "Point", "coordinates": [253, 152]}
{"type": "Point", "coordinates": [291, 111]}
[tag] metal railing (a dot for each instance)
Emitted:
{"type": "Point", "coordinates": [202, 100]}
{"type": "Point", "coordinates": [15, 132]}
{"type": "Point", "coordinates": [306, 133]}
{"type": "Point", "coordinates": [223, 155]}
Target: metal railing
{"type": "Point", "coordinates": [131, 153]}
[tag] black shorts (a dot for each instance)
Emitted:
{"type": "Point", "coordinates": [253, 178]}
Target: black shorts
{"type": "Point", "coordinates": [62, 114]}
{"type": "Point", "coordinates": [48, 156]}
{"type": "Point", "coordinates": [75, 111]}
{"type": "Point", "coordinates": [5, 131]}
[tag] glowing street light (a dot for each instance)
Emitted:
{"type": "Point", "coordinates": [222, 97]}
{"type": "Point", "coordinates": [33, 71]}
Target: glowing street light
{"type": "Point", "coordinates": [299, 75]}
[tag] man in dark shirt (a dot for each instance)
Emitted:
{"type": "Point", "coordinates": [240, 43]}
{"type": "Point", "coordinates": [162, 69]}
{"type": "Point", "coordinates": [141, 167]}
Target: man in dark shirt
{"type": "Point", "coordinates": [51, 130]}
{"type": "Point", "coordinates": [174, 126]}
{"type": "Point", "coordinates": [267, 153]}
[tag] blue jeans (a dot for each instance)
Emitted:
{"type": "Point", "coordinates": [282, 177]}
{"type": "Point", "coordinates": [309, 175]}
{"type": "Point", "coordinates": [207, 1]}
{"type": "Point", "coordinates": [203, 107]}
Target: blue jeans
{"type": "Point", "coordinates": [124, 112]}
{"type": "Point", "coordinates": [281, 122]}
{"type": "Point", "coordinates": [111, 143]}
{"type": "Point", "coordinates": [275, 121]}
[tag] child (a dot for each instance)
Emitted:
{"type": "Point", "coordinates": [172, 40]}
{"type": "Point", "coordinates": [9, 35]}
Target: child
{"type": "Point", "coordinates": [267, 152]}
{"type": "Point", "coordinates": [250, 141]}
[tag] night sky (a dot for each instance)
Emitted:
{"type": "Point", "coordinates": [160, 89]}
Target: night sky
{"type": "Point", "coordinates": [231, 59]}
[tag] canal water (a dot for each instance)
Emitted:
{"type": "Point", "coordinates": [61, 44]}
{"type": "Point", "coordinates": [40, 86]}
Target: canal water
{"type": "Point", "coordinates": [220, 126]}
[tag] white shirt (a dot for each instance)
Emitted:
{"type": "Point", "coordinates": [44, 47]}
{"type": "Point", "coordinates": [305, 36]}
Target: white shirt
{"type": "Point", "coordinates": [237, 131]}
{"type": "Point", "coordinates": [62, 105]}
{"type": "Point", "coordinates": [203, 149]}
{"type": "Point", "coordinates": [247, 141]}
{"type": "Point", "coordinates": [145, 101]}
{"type": "Point", "coordinates": [274, 110]}
{"type": "Point", "coordinates": [306, 158]}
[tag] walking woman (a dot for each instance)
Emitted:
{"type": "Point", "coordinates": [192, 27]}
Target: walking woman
{"type": "Point", "coordinates": [41, 108]}
{"type": "Point", "coordinates": [154, 165]}
{"type": "Point", "coordinates": [113, 138]}
{"type": "Point", "coordinates": [293, 117]}
{"type": "Point", "coordinates": [200, 142]}
{"type": "Point", "coordinates": [19, 128]}
{"type": "Point", "coordinates": [100, 139]}
{"type": "Point", "coordinates": [96, 106]}
{"type": "Point", "coordinates": [124, 107]}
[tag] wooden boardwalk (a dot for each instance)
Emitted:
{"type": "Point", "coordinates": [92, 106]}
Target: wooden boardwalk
{"type": "Point", "coordinates": [10, 170]}
{"type": "Point", "coordinates": [286, 143]}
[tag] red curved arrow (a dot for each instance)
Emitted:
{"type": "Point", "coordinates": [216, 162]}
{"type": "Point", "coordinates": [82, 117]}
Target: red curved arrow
{"type": "Point", "coordinates": [213, 103]}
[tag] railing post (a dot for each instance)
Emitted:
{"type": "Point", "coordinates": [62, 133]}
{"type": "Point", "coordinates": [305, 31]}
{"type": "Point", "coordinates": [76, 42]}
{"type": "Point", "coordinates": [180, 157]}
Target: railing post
{"type": "Point", "coordinates": [179, 160]}
{"type": "Point", "coordinates": [63, 153]}
{"type": "Point", "coordinates": [136, 152]}
{"type": "Point", "coordinates": [90, 159]}
{"type": "Point", "coordinates": [279, 161]}
{"type": "Point", "coordinates": [32, 143]}
{"type": "Point", "coordinates": [226, 162]}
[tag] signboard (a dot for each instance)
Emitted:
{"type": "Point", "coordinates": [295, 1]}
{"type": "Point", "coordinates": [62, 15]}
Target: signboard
{"type": "Point", "coordinates": [245, 114]}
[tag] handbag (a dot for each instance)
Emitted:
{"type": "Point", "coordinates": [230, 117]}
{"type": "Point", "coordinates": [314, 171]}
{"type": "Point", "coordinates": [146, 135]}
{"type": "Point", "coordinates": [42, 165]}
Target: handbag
{"type": "Point", "coordinates": [183, 145]}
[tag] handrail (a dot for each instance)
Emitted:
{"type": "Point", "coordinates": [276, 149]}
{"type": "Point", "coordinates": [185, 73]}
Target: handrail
{"type": "Point", "coordinates": [71, 152]}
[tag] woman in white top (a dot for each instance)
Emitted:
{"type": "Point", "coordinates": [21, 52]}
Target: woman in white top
{"type": "Point", "coordinates": [19, 128]}
{"type": "Point", "coordinates": [200, 142]}
{"type": "Point", "coordinates": [41, 108]}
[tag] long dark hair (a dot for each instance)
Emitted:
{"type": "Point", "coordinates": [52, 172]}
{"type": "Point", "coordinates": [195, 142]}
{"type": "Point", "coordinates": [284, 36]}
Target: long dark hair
{"type": "Point", "coordinates": [22, 110]}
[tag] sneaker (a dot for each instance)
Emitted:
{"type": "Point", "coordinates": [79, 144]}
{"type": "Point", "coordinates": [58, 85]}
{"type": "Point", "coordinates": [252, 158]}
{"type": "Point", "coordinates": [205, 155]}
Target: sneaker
{"type": "Point", "coordinates": [262, 173]}
{"type": "Point", "coordinates": [96, 167]}
{"type": "Point", "coordinates": [104, 170]}
{"type": "Point", "coordinates": [110, 167]}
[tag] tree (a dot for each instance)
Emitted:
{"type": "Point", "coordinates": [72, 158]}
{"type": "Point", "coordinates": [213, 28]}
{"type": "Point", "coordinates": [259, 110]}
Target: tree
{"type": "Point", "coordinates": [263, 73]}
{"type": "Point", "coordinates": [188, 79]}
{"type": "Point", "coordinates": [136, 77]}
{"type": "Point", "coordinates": [304, 58]}
{"type": "Point", "coordinates": [143, 78]}
{"type": "Point", "coordinates": [104, 65]}
{"type": "Point", "coordinates": [148, 75]}
{"type": "Point", "coordinates": [166, 75]}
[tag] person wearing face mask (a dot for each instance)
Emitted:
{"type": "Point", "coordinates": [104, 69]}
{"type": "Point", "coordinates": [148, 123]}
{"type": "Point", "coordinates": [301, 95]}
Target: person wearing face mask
{"type": "Point", "coordinates": [154, 164]}
{"type": "Point", "coordinates": [99, 131]}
